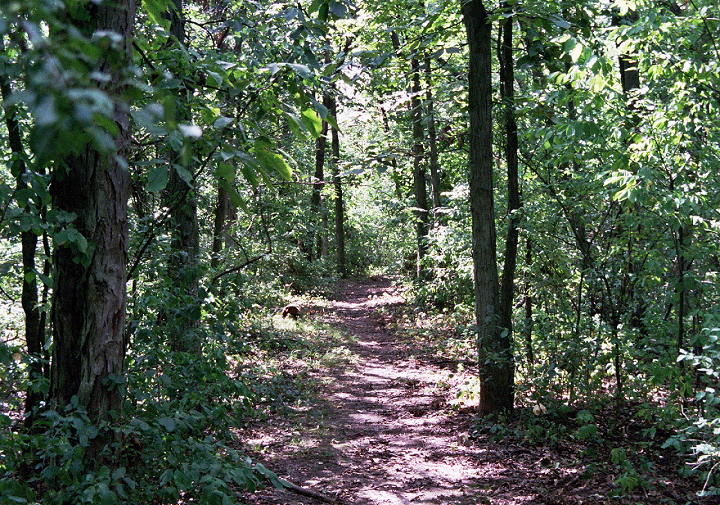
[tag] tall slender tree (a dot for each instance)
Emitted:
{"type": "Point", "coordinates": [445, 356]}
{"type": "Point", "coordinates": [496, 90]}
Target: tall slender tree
{"type": "Point", "coordinates": [494, 351]}
{"type": "Point", "coordinates": [339, 202]}
{"type": "Point", "coordinates": [432, 138]}
{"type": "Point", "coordinates": [182, 202]}
{"type": "Point", "coordinates": [34, 320]}
{"type": "Point", "coordinates": [507, 94]}
{"type": "Point", "coordinates": [421, 206]}
{"type": "Point", "coordinates": [316, 201]}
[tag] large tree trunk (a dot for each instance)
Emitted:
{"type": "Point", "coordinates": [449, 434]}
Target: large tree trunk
{"type": "Point", "coordinates": [421, 206]}
{"type": "Point", "coordinates": [494, 351]}
{"type": "Point", "coordinates": [89, 296]}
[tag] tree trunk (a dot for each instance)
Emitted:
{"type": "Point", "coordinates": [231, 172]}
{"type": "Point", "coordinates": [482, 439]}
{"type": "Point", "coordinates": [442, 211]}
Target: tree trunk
{"type": "Point", "coordinates": [494, 351]}
{"type": "Point", "coordinates": [89, 297]}
{"type": "Point", "coordinates": [318, 184]}
{"type": "Point", "coordinates": [421, 206]}
{"type": "Point", "coordinates": [395, 174]}
{"type": "Point", "coordinates": [324, 234]}
{"type": "Point", "coordinates": [222, 211]}
{"type": "Point", "coordinates": [529, 353]}
{"type": "Point", "coordinates": [339, 204]}
{"type": "Point", "coordinates": [34, 326]}
{"type": "Point", "coordinates": [432, 140]}
{"type": "Point", "coordinates": [184, 226]}
{"type": "Point", "coordinates": [507, 94]}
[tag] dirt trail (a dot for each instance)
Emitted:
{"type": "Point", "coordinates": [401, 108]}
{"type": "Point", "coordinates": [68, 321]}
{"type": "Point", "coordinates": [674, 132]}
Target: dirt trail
{"type": "Point", "coordinates": [391, 437]}
{"type": "Point", "coordinates": [385, 433]}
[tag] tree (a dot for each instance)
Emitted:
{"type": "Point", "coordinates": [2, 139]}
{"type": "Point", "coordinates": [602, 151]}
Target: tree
{"type": "Point", "coordinates": [182, 203]}
{"type": "Point", "coordinates": [507, 94]}
{"type": "Point", "coordinates": [494, 351]}
{"type": "Point", "coordinates": [89, 296]}
{"type": "Point", "coordinates": [432, 138]}
{"type": "Point", "coordinates": [34, 320]}
{"type": "Point", "coordinates": [420, 185]}
{"type": "Point", "coordinates": [317, 203]}
{"type": "Point", "coordinates": [339, 202]}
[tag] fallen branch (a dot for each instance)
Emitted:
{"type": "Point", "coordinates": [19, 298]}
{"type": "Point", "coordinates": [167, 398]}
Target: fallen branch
{"type": "Point", "coordinates": [284, 484]}
{"type": "Point", "coordinates": [307, 492]}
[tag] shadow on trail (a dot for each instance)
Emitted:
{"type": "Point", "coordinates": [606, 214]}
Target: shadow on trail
{"type": "Point", "coordinates": [384, 432]}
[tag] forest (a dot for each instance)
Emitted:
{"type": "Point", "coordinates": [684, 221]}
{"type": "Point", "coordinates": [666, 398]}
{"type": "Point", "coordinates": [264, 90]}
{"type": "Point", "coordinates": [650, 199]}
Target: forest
{"type": "Point", "coordinates": [361, 252]}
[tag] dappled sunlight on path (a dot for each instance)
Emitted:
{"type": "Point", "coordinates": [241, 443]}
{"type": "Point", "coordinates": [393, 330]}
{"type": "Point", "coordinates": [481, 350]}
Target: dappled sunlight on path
{"type": "Point", "coordinates": [388, 434]}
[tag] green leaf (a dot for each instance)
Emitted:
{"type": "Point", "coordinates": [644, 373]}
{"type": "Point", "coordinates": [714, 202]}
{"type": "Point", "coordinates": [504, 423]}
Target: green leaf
{"type": "Point", "coordinates": [338, 9]}
{"type": "Point", "coordinates": [184, 174]}
{"type": "Point", "coordinates": [312, 122]}
{"type": "Point", "coordinates": [222, 122]}
{"type": "Point", "coordinates": [167, 423]}
{"type": "Point", "coordinates": [6, 267]}
{"type": "Point", "coordinates": [331, 121]}
{"type": "Point", "coordinates": [272, 476]}
{"type": "Point", "coordinates": [107, 124]}
{"type": "Point", "coordinates": [559, 22]}
{"type": "Point", "coordinates": [296, 126]}
{"type": "Point", "coordinates": [320, 108]}
{"type": "Point", "coordinates": [215, 77]}
{"type": "Point", "coordinates": [301, 70]}
{"type": "Point", "coordinates": [315, 6]}
{"type": "Point", "coordinates": [225, 171]}
{"type": "Point", "coordinates": [156, 9]}
{"type": "Point", "coordinates": [323, 12]}
{"type": "Point", "coordinates": [250, 175]}
{"type": "Point", "coordinates": [576, 52]}
{"type": "Point", "coordinates": [597, 84]}
{"type": "Point", "coordinates": [209, 114]}
{"type": "Point", "coordinates": [157, 178]}
{"type": "Point", "coordinates": [274, 161]}
{"type": "Point", "coordinates": [236, 199]}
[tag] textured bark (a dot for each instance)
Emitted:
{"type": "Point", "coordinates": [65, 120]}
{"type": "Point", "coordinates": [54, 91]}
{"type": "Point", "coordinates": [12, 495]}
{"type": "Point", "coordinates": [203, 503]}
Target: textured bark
{"type": "Point", "coordinates": [628, 65]}
{"type": "Point", "coordinates": [494, 352]}
{"type": "Point", "coordinates": [421, 206]}
{"type": "Point", "coordinates": [89, 297]}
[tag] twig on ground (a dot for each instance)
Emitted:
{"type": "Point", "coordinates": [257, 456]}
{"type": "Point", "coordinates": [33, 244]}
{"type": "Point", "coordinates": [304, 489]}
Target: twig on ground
{"type": "Point", "coordinates": [285, 484]}
{"type": "Point", "coordinates": [308, 492]}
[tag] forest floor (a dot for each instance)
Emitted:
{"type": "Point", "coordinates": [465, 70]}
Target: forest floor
{"type": "Point", "coordinates": [384, 427]}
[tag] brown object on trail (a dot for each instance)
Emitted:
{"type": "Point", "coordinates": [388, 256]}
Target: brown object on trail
{"type": "Point", "coordinates": [292, 311]}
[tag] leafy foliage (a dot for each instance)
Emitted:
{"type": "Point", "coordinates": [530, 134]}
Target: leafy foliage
{"type": "Point", "coordinates": [616, 283]}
